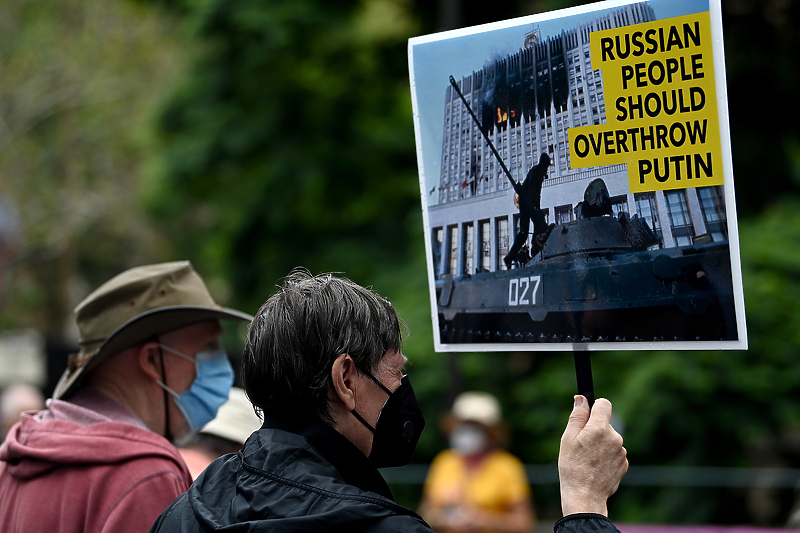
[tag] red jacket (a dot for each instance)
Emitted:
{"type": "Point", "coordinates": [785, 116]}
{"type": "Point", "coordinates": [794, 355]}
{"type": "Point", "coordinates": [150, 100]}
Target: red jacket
{"type": "Point", "coordinates": [84, 466]}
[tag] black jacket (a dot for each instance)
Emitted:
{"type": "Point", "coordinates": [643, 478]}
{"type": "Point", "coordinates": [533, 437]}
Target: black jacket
{"type": "Point", "coordinates": [534, 180]}
{"type": "Point", "coordinates": [291, 476]}
{"type": "Point", "coordinates": [585, 523]}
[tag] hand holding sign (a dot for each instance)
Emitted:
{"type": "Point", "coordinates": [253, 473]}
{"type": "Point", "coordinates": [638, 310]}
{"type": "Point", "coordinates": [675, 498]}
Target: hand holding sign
{"type": "Point", "coordinates": [591, 461]}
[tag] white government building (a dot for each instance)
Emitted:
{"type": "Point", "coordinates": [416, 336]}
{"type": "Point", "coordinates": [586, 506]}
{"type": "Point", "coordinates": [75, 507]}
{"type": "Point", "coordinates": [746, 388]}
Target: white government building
{"type": "Point", "coordinates": [528, 100]}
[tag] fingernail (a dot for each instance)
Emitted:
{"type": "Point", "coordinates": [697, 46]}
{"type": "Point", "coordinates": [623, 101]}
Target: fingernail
{"type": "Point", "coordinates": [579, 400]}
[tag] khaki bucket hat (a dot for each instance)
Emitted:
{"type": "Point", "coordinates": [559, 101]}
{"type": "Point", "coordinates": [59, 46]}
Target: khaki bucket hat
{"type": "Point", "coordinates": [133, 307]}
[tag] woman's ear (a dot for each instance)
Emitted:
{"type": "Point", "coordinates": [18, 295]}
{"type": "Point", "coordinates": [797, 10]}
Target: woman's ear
{"type": "Point", "coordinates": [343, 374]}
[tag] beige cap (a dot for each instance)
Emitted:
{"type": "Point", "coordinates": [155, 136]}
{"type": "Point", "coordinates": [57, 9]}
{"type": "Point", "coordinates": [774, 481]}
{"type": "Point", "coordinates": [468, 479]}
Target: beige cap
{"type": "Point", "coordinates": [236, 420]}
{"type": "Point", "coordinates": [479, 407]}
{"type": "Point", "coordinates": [133, 307]}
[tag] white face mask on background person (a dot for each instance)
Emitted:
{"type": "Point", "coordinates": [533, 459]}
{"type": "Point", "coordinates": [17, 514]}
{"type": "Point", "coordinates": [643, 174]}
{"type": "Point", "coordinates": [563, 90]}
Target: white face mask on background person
{"type": "Point", "coordinates": [468, 439]}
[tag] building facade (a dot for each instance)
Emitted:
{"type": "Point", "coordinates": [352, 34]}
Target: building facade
{"type": "Point", "coordinates": [526, 102]}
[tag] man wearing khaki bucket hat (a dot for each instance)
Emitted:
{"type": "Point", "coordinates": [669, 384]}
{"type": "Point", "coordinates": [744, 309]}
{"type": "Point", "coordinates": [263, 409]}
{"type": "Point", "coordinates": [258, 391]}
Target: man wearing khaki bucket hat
{"type": "Point", "coordinates": [150, 370]}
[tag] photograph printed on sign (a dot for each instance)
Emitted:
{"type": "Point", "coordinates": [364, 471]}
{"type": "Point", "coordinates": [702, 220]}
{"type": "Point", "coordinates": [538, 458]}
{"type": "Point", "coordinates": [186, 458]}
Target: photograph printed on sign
{"type": "Point", "coordinates": [576, 183]}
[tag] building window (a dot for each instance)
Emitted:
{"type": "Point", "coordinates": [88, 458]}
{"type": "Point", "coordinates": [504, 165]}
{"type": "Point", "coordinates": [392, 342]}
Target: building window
{"type": "Point", "coordinates": [712, 204]}
{"type": "Point", "coordinates": [646, 209]}
{"type": "Point", "coordinates": [563, 214]}
{"type": "Point", "coordinates": [438, 241]}
{"type": "Point", "coordinates": [453, 259]}
{"type": "Point", "coordinates": [469, 249]}
{"type": "Point", "coordinates": [679, 220]}
{"type": "Point", "coordinates": [619, 204]}
{"type": "Point", "coordinates": [486, 246]}
{"type": "Point", "coordinates": [502, 240]}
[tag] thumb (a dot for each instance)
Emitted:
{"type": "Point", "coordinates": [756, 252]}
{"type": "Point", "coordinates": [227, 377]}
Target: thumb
{"type": "Point", "coordinates": [578, 418]}
{"type": "Point", "coordinates": [601, 414]}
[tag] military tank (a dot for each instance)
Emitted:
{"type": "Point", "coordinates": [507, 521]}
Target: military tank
{"type": "Point", "coordinates": [599, 278]}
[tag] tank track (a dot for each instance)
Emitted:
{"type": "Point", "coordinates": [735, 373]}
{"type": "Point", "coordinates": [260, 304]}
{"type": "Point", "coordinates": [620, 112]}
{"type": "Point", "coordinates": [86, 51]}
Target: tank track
{"type": "Point", "coordinates": [462, 335]}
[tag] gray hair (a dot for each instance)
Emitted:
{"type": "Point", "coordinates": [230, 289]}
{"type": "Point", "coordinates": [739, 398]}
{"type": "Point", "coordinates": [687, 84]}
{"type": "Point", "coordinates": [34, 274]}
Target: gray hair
{"type": "Point", "coordinates": [299, 332]}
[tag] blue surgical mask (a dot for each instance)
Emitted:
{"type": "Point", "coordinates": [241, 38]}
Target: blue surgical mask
{"type": "Point", "coordinates": [210, 389]}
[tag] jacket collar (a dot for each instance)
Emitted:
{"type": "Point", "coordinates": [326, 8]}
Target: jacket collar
{"type": "Point", "coordinates": [349, 461]}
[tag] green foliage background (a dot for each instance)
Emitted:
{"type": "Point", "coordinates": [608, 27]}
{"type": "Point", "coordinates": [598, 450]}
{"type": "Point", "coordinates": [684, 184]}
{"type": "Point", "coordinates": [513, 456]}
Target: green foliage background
{"type": "Point", "coordinates": [255, 136]}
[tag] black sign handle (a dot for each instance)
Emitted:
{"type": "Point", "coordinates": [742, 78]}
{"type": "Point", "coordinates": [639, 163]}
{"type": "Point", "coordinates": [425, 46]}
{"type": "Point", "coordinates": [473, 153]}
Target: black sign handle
{"type": "Point", "coordinates": [583, 374]}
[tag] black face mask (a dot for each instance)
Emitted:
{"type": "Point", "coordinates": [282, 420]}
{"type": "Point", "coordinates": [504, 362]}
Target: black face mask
{"type": "Point", "coordinates": [399, 426]}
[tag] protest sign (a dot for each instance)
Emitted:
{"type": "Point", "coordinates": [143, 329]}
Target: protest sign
{"type": "Point", "coordinates": [664, 124]}
{"type": "Point", "coordinates": [576, 180]}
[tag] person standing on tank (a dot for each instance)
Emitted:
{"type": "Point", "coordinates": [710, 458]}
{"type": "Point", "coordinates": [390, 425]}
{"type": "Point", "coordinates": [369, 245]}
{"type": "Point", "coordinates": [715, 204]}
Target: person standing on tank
{"type": "Point", "coordinates": [530, 208]}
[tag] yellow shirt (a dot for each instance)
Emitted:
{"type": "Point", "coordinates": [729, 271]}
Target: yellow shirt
{"type": "Point", "coordinates": [496, 483]}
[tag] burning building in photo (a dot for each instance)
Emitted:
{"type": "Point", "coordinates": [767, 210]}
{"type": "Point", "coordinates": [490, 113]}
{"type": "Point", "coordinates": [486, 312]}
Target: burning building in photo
{"type": "Point", "coordinates": [526, 102]}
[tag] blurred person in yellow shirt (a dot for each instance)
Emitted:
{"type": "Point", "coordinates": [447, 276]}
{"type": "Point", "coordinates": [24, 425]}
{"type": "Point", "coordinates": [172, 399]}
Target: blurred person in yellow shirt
{"type": "Point", "coordinates": [475, 485]}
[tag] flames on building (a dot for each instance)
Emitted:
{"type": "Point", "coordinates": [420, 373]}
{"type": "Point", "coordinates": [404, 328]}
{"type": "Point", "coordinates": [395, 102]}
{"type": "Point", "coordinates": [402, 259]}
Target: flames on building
{"type": "Point", "coordinates": [526, 102]}
{"type": "Point", "coordinates": [524, 84]}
